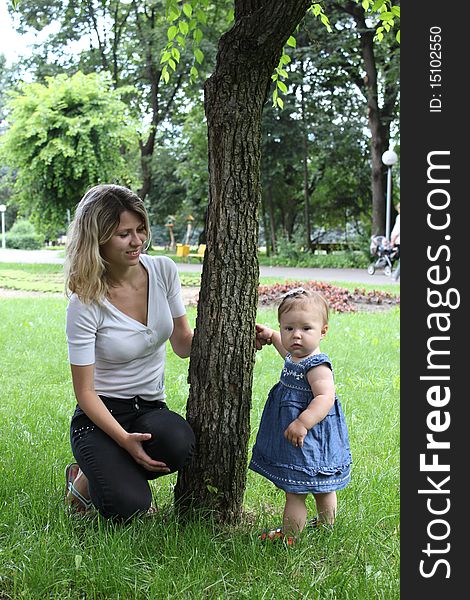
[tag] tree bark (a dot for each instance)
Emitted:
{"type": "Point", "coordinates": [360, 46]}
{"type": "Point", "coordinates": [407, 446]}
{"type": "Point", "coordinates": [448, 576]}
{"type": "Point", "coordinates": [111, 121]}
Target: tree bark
{"type": "Point", "coordinates": [379, 131]}
{"type": "Point", "coordinates": [308, 228]}
{"type": "Point", "coordinates": [223, 350]}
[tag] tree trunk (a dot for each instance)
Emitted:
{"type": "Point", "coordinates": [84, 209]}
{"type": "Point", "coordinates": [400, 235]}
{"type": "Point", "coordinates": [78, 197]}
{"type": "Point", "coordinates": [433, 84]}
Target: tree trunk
{"type": "Point", "coordinates": [379, 131]}
{"type": "Point", "coordinates": [272, 220]}
{"type": "Point", "coordinates": [379, 136]}
{"type": "Point", "coordinates": [265, 226]}
{"type": "Point", "coordinates": [223, 350]}
{"type": "Point", "coordinates": [308, 228]}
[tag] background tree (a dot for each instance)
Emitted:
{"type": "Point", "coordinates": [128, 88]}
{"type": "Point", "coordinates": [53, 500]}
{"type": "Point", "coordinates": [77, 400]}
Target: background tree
{"type": "Point", "coordinates": [65, 136]}
{"type": "Point", "coordinates": [126, 41]}
{"type": "Point", "coordinates": [181, 177]}
{"type": "Point", "coordinates": [374, 69]}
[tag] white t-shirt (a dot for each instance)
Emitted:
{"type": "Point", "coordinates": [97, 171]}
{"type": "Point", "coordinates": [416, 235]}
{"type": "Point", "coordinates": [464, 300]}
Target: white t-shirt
{"type": "Point", "coordinates": [129, 357]}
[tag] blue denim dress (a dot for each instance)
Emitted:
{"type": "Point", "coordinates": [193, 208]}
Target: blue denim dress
{"type": "Point", "coordinates": [323, 464]}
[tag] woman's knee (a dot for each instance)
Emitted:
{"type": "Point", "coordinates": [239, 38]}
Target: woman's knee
{"type": "Point", "coordinates": [172, 441]}
{"type": "Point", "coordinates": [125, 504]}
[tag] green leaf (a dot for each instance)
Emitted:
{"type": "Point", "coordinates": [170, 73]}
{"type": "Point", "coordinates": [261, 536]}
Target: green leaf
{"type": "Point", "coordinates": [292, 42]}
{"type": "Point", "coordinates": [198, 35]}
{"type": "Point", "coordinates": [172, 64]}
{"type": "Point", "coordinates": [165, 74]}
{"type": "Point", "coordinates": [377, 5]}
{"type": "Point", "coordinates": [398, 36]}
{"type": "Point", "coordinates": [188, 10]}
{"type": "Point", "coordinates": [181, 41]}
{"type": "Point", "coordinates": [282, 86]}
{"type": "Point", "coordinates": [172, 31]}
{"type": "Point", "coordinates": [173, 14]}
{"type": "Point", "coordinates": [184, 27]}
{"type": "Point", "coordinates": [176, 54]}
{"type": "Point", "coordinates": [280, 102]}
{"type": "Point", "coordinates": [201, 16]}
{"type": "Point", "coordinates": [165, 56]}
{"type": "Point", "coordinates": [194, 73]}
{"type": "Point", "coordinates": [198, 55]}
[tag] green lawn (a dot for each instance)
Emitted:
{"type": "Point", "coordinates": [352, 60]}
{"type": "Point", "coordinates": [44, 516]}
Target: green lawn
{"type": "Point", "coordinates": [46, 554]}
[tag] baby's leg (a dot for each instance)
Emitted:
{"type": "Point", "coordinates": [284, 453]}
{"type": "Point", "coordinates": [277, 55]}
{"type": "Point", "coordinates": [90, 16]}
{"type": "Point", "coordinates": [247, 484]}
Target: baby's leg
{"type": "Point", "coordinates": [295, 514]}
{"type": "Point", "coordinates": [326, 507]}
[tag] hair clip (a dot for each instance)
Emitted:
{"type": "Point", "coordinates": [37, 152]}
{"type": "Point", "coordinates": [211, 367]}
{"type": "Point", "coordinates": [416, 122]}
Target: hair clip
{"type": "Point", "coordinates": [293, 292]}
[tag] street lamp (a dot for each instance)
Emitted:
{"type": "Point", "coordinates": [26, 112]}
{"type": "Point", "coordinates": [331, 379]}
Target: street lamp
{"type": "Point", "coordinates": [389, 158]}
{"type": "Point", "coordinates": [2, 210]}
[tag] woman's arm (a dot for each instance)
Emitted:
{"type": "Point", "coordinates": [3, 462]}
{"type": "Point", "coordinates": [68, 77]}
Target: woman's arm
{"type": "Point", "coordinates": [92, 405]}
{"type": "Point", "coordinates": [323, 388]}
{"type": "Point", "coordinates": [182, 337]}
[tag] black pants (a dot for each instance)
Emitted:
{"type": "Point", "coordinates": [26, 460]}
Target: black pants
{"type": "Point", "coordinates": [118, 485]}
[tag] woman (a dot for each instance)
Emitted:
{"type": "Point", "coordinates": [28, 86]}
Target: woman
{"type": "Point", "coordinates": [395, 242]}
{"type": "Point", "coordinates": [124, 305]}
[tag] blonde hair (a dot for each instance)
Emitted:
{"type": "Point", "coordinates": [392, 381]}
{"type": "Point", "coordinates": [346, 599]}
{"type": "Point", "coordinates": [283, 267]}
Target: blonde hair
{"type": "Point", "coordinates": [96, 219]}
{"type": "Point", "coordinates": [302, 297]}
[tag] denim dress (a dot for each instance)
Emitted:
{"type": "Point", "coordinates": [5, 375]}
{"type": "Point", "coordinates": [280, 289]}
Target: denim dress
{"type": "Point", "coordinates": [323, 464]}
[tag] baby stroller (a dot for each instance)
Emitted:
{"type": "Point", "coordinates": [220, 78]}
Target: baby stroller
{"type": "Point", "coordinates": [386, 255]}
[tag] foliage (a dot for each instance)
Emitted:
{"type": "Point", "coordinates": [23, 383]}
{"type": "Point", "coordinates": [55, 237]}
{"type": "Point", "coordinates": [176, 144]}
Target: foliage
{"type": "Point", "coordinates": [180, 174]}
{"type": "Point", "coordinates": [339, 299]}
{"type": "Point", "coordinates": [186, 23]}
{"type": "Point", "coordinates": [128, 41]}
{"type": "Point", "coordinates": [65, 136]}
{"type": "Point", "coordinates": [23, 236]}
{"type": "Point", "coordinates": [385, 11]}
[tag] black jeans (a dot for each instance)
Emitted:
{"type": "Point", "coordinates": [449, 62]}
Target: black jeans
{"type": "Point", "coordinates": [118, 485]}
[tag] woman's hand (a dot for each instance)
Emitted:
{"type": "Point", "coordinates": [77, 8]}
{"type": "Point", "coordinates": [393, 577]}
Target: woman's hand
{"type": "Point", "coordinates": [295, 433]}
{"type": "Point", "coordinates": [264, 335]}
{"type": "Point", "coordinates": [133, 445]}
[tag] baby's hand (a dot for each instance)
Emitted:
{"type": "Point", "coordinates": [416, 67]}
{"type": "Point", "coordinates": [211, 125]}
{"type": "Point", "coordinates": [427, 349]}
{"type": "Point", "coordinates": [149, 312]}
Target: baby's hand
{"type": "Point", "coordinates": [295, 433]}
{"type": "Point", "coordinates": [263, 336]}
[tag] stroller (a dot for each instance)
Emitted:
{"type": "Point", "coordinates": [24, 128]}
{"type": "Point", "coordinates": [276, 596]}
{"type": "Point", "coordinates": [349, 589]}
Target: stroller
{"type": "Point", "coordinates": [386, 255]}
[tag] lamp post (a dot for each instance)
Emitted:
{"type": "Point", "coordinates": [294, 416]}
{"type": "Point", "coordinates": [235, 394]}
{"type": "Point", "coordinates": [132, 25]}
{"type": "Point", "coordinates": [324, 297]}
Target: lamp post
{"type": "Point", "coordinates": [389, 158]}
{"type": "Point", "coordinates": [2, 210]}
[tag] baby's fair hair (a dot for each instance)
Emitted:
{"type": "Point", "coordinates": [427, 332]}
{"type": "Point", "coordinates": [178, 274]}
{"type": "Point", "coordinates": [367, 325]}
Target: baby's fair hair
{"type": "Point", "coordinates": [301, 297]}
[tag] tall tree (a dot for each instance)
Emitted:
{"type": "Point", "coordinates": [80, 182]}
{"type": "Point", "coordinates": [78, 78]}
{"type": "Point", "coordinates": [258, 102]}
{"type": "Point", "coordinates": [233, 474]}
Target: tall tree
{"type": "Point", "coordinates": [125, 40]}
{"type": "Point", "coordinates": [222, 355]}
{"type": "Point", "coordinates": [379, 85]}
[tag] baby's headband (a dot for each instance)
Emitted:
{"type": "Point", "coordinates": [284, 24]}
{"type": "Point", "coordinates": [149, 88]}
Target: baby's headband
{"type": "Point", "coordinates": [293, 292]}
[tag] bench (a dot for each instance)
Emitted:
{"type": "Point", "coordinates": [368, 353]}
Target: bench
{"type": "Point", "coordinates": [199, 254]}
{"type": "Point", "coordinates": [330, 247]}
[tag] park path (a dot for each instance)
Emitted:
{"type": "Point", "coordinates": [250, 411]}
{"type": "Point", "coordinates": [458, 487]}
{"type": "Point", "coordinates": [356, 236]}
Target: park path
{"type": "Point", "coordinates": [347, 275]}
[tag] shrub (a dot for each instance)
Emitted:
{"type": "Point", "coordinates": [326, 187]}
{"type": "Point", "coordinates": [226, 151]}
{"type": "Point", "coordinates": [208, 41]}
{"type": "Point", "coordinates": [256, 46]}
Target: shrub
{"type": "Point", "coordinates": [23, 236]}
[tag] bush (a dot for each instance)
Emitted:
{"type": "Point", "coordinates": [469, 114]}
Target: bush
{"type": "Point", "coordinates": [344, 259]}
{"type": "Point", "coordinates": [23, 236]}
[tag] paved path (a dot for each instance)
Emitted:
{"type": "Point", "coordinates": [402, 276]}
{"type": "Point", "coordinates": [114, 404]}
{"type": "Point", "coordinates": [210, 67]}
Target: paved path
{"type": "Point", "coordinates": [346, 275]}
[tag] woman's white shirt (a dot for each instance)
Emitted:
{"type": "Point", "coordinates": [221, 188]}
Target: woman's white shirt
{"type": "Point", "coordinates": [129, 357]}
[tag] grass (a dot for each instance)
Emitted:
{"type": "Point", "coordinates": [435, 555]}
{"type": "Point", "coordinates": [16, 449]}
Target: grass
{"type": "Point", "coordinates": [45, 554]}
